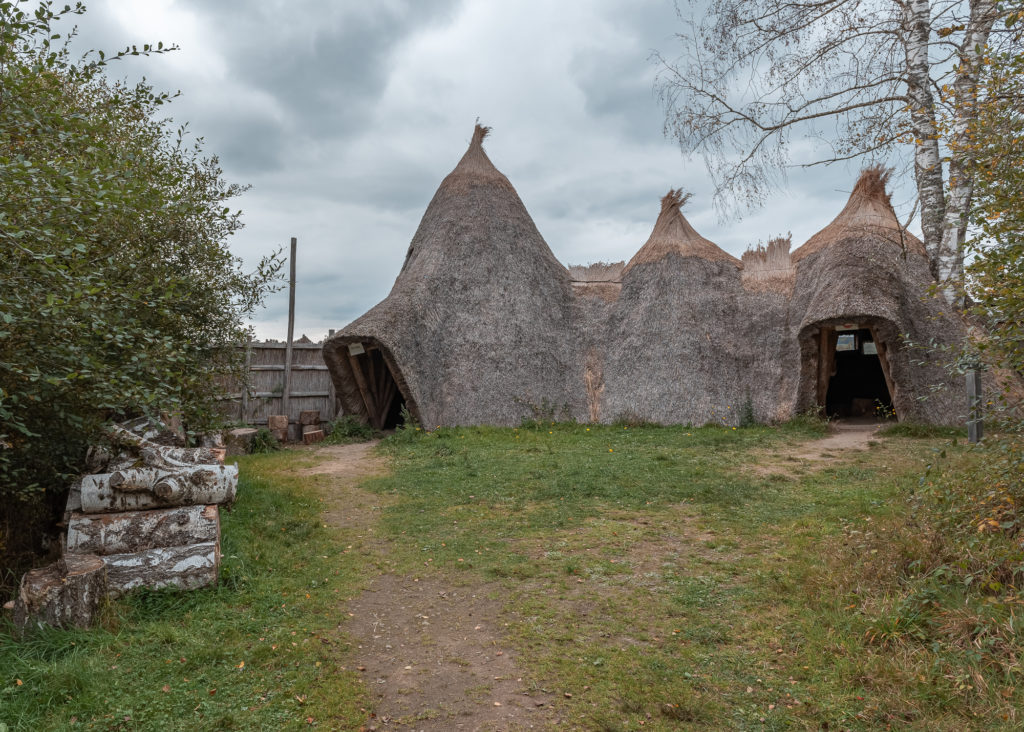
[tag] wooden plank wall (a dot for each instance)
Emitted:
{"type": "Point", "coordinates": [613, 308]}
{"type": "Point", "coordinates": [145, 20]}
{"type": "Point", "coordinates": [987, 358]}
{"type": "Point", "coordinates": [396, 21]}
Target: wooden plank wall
{"type": "Point", "coordinates": [311, 386]}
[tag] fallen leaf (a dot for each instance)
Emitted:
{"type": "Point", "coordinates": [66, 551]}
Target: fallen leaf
{"type": "Point", "coordinates": [165, 688]}
{"type": "Point", "coordinates": [241, 665]}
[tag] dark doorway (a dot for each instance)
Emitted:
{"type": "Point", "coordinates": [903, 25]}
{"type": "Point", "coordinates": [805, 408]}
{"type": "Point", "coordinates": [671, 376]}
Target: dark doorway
{"type": "Point", "coordinates": [858, 385]}
{"type": "Point", "coordinates": [377, 386]}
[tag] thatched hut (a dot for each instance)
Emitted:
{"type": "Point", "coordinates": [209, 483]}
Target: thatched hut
{"type": "Point", "coordinates": [477, 327]}
{"type": "Point", "coordinates": [861, 301]}
{"type": "Point", "coordinates": [484, 325]}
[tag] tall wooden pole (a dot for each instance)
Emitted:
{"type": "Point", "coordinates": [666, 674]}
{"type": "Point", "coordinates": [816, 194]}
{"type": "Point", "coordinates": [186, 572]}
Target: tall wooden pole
{"type": "Point", "coordinates": [285, 396]}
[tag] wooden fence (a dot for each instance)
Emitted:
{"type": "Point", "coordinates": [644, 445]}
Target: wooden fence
{"type": "Point", "coordinates": [310, 385]}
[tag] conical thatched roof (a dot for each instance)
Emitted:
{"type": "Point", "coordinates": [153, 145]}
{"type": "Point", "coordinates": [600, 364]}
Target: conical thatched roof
{"type": "Point", "coordinates": [673, 234]}
{"type": "Point", "coordinates": [477, 324]}
{"type": "Point", "coordinates": [868, 211]}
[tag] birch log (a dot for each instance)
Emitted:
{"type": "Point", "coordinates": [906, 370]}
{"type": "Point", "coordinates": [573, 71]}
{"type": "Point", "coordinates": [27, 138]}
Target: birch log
{"type": "Point", "coordinates": [184, 567]}
{"type": "Point", "coordinates": [136, 531]}
{"type": "Point", "coordinates": [153, 455]}
{"type": "Point", "coordinates": [67, 593]}
{"type": "Point", "coordinates": [140, 489]}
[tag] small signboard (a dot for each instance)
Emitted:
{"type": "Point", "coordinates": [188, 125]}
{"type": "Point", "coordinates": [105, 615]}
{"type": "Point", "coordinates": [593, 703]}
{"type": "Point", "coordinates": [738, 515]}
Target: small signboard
{"type": "Point", "coordinates": [847, 326]}
{"type": "Point", "coordinates": [356, 349]}
{"type": "Point", "coordinates": [846, 342]}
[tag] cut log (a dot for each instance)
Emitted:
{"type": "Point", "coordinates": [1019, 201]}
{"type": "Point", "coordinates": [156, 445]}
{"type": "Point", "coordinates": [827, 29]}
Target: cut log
{"type": "Point", "coordinates": [136, 531]}
{"type": "Point", "coordinates": [277, 422]}
{"type": "Point", "coordinates": [313, 437]}
{"type": "Point", "coordinates": [309, 417]}
{"type": "Point", "coordinates": [184, 567]}
{"type": "Point", "coordinates": [238, 440]}
{"type": "Point", "coordinates": [195, 485]}
{"type": "Point", "coordinates": [67, 593]}
{"type": "Point", "coordinates": [144, 452]}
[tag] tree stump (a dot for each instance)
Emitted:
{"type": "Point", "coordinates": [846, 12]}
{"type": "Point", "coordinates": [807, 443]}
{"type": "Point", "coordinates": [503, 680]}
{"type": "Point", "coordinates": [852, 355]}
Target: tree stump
{"type": "Point", "coordinates": [313, 437]}
{"type": "Point", "coordinates": [67, 593]}
{"type": "Point", "coordinates": [238, 440]}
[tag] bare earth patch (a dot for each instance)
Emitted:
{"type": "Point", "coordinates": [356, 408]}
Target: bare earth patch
{"type": "Point", "coordinates": [786, 462]}
{"type": "Point", "coordinates": [430, 653]}
{"type": "Point", "coordinates": [433, 658]}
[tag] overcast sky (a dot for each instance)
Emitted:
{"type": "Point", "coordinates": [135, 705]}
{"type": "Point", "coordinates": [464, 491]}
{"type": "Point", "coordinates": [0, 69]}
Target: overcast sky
{"type": "Point", "coordinates": [345, 115]}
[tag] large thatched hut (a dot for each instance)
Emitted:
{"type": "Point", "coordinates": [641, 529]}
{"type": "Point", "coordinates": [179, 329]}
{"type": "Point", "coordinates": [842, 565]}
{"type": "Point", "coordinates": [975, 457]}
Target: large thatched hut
{"type": "Point", "coordinates": [484, 325]}
{"type": "Point", "coordinates": [478, 326]}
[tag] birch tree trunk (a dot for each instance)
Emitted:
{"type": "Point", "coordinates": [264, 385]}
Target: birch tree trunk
{"type": "Point", "coordinates": [950, 264]}
{"type": "Point", "coordinates": [927, 158]}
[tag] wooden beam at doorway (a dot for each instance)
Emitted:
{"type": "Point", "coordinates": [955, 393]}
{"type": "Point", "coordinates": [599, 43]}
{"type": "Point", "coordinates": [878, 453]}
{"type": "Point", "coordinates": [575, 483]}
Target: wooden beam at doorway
{"type": "Point", "coordinates": [368, 401]}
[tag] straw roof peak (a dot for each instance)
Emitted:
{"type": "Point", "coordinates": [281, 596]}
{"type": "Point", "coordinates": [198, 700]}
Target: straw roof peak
{"type": "Point", "coordinates": [868, 212]}
{"type": "Point", "coordinates": [872, 184]}
{"type": "Point", "coordinates": [673, 234]}
{"type": "Point", "coordinates": [475, 167]}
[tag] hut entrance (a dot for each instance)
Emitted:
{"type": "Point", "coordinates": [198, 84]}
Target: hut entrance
{"type": "Point", "coordinates": [853, 372]}
{"type": "Point", "coordinates": [377, 386]}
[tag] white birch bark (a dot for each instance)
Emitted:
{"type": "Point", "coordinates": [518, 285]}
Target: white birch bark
{"type": "Point", "coordinates": [135, 531]}
{"type": "Point", "coordinates": [927, 158]}
{"type": "Point", "coordinates": [950, 252]}
{"type": "Point", "coordinates": [148, 488]}
{"type": "Point", "coordinates": [184, 567]}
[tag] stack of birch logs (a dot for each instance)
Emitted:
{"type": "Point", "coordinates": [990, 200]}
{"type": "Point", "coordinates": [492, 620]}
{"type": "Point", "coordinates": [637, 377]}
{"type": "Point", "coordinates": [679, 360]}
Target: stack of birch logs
{"type": "Point", "coordinates": [151, 518]}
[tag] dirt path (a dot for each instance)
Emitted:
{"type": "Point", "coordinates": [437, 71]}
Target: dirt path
{"type": "Point", "coordinates": [845, 437]}
{"type": "Point", "coordinates": [430, 651]}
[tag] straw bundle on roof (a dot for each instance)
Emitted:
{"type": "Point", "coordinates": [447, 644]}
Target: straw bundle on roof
{"type": "Point", "coordinates": [673, 234]}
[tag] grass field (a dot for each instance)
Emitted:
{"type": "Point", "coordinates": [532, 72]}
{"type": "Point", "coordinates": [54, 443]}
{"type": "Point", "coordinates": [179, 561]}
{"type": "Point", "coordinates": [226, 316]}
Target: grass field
{"type": "Point", "coordinates": [652, 578]}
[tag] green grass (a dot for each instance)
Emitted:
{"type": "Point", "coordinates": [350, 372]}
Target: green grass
{"type": "Point", "coordinates": [260, 651]}
{"type": "Point", "coordinates": [663, 577]}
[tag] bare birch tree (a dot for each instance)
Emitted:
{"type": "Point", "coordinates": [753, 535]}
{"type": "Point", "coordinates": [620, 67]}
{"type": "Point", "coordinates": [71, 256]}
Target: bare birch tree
{"type": "Point", "coordinates": [882, 80]}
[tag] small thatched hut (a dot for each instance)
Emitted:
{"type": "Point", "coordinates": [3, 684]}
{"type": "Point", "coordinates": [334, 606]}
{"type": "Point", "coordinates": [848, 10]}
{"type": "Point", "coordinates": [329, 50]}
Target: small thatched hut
{"type": "Point", "coordinates": [484, 325]}
{"type": "Point", "coordinates": [860, 302]}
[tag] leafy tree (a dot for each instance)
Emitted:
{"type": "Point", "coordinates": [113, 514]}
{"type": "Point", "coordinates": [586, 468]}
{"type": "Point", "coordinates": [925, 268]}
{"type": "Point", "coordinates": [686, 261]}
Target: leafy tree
{"type": "Point", "coordinates": [118, 294]}
{"type": "Point", "coordinates": [863, 77]}
{"type": "Point", "coordinates": [995, 275]}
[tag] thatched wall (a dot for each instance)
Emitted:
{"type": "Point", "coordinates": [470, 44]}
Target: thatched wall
{"type": "Point", "coordinates": [483, 325]}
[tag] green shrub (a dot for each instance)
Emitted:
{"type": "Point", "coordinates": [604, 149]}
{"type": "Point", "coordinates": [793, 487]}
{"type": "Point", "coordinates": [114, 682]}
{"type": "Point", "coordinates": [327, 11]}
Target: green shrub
{"type": "Point", "coordinates": [921, 431]}
{"type": "Point", "coordinates": [263, 441]}
{"type": "Point", "coordinates": [349, 428]}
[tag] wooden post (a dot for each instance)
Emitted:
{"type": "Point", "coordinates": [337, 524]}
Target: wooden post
{"type": "Point", "coordinates": [975, 421]}
{"type": "Point", "coordinates": [286, 394]}
{"type": "Point", "coordinates": [244, 416]}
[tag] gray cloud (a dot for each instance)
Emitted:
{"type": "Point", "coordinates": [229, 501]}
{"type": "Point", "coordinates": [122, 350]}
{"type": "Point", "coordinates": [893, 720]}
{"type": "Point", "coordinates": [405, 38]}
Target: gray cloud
{"type": "Point", "coordinates": [345, 116]}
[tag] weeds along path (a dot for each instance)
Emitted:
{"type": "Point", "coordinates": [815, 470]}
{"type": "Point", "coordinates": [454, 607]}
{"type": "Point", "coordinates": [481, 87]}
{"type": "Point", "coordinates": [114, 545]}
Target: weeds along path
{"type": "Point", "coordinates": [430, 652]}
